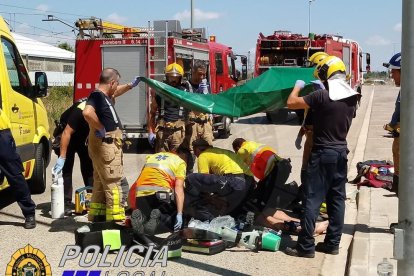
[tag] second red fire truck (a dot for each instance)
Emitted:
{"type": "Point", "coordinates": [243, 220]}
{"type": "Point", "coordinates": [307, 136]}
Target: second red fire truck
{"type": "Point", "coordinates": [283, 48]}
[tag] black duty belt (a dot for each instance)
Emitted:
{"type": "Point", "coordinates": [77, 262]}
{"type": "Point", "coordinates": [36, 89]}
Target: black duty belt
{"type": "Point", "coordinates": [198, 120]}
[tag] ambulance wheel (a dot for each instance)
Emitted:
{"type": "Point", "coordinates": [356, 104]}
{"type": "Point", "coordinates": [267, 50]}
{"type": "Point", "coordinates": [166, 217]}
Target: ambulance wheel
{"type": "Point", "coordinates": [37, 183]}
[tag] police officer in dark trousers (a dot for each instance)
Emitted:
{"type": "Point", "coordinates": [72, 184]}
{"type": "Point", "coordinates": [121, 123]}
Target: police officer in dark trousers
{"type": "Point", "coordinates": [74, 141]}
{"type": "Point", "coordinates": [12, 167]}
{"type": "Point", "coordinates": [333, 110]}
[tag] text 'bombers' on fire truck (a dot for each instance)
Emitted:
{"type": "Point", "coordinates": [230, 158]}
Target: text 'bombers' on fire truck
{"type": "Point", "coordinates": [146, 52]}
{"type": "Point", "coordinates": [283, 48]}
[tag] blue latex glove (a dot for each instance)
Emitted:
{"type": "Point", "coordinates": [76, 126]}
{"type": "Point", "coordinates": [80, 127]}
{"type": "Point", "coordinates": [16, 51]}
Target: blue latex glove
{"type": "Point", "coordinates": [59, 165]}
{"type": "Point", "coordinates": [317, 84]}
{"type": "Point", "coordinates": [135, 81]}
{"type": "Point", "coordinates": [151, 139]}
{"type": "Point", "coordinates": [300, 84]}
{"type": "Point", "coordinates": [178, 222]}
{"type": "Point", "coordinates": [100, 133]}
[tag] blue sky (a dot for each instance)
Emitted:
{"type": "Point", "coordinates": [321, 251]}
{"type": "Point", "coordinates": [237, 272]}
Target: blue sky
{"type": "Point", "coordinates": [375, 24]}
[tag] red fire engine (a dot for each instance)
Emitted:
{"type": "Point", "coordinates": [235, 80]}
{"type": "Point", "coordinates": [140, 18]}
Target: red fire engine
{"type": "Point", "coordinates": [286, 49]}
{"type": "Point", "coordinates": [146, 52]}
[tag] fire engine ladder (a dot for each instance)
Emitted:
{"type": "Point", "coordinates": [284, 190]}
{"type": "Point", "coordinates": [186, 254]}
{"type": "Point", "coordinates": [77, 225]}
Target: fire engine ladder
{"type": "Point", "coordinates": [157, 52]}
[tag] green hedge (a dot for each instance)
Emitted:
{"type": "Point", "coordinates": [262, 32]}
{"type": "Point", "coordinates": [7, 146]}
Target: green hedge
{"type": "Point", "coordinates": [58, 100]}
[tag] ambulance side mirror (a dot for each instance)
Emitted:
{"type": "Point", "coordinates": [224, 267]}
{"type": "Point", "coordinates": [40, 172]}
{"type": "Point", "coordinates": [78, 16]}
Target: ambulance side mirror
{"type": "Point", "coordinates": [41, 85]}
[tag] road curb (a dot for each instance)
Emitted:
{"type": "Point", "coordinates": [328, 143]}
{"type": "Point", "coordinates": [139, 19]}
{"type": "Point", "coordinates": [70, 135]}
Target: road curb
{"type": "Point", "coordinates": [337, 265]}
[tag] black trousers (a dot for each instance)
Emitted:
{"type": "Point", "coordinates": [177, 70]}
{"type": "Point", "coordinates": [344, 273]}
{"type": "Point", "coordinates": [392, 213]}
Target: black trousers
{"type": "Point", "coordinates": [11, 166]}
{"type": "Point", "coordinates": [326, 178]}
{"type": "Point", "coordinates": [168, 211]}
{"type": "Point", "coordinates": [85, 166]}
{"type": "Point", "coordinates": [208, 196]}
{"type": "Point", "coordinates": [272, 191]}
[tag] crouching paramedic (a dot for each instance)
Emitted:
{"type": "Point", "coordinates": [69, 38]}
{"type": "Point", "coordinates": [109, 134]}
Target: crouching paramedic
{"type": "Point", "coordinates": [158, 193]}
{"type": "Point", "coordinates": [169, 127]}
{"type": "Point", "coordinates": [223, 176]}
{"type": "Point", "coordinates": [270, 169]}
{"type": "Point", "coordinates": [105, 147]}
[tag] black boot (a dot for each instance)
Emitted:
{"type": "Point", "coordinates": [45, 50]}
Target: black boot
{"type": "Point", "coordinates": [30, 222]}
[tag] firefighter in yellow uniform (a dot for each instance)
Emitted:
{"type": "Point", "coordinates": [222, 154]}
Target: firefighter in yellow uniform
{"type": "Point", "coordinates": [271, 170]}
{"type": "Point", "coordinates": [223, 176]}
{"type": "Point", "coordinates": [167, 132]}
{"type": "Point", "coordinates": [12, 168]}
{"type": "Point", "coordinates": [105, 147]}
{"type": "Point", "coordinates": [199, 125]}
{"type": "Point", "coordinates": [158, 193]}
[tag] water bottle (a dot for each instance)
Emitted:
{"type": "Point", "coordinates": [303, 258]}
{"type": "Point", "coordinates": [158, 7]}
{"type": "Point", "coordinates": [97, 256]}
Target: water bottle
{"type": "Point", "coordinates": [383, 171]}
{"type": "Point", "coordinates": [385, 268]}
{"type": "Point", "coordinates": [57, 197]}
{"type": "Point", "coordinates": [204, 86]}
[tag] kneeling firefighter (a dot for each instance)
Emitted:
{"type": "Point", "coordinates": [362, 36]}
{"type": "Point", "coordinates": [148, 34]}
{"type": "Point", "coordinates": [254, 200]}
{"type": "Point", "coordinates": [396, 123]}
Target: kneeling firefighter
{"type": "Point", "coordinates": [158, 193]}
{"type": "Point", "coordinates": [271, 170]}
{"type": "Point", "coordinates": [169, 127]}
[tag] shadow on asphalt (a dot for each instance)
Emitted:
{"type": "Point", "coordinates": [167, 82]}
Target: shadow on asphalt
{"type": "Point", "coordinates": [207, 267]}
{"type": "Point", "coordinates": [6, 198]}
{"type": "Point", "coordinates": [364, 229]}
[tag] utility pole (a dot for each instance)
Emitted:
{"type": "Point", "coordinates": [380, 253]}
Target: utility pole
{"type": "Point", "coordinates": [406, 187]}
{"type": "Point", "coordinates": [192, 14]}
{"type": "Point", "coordinates": [248, 62]}
{"type": "Point", "coordinates": [310, 2]}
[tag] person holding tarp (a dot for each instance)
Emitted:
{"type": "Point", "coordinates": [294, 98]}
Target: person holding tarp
{"type": "Point", "coordinates": [333, 110]}
{"type": "Point", "coordinates": [158, 194]}
{"type": "Point", "coordinates": [199, 125]}
{"type": "Point", "coordinates": [167, 132]}
{"type": "Point", "coordinates": [220, 186]}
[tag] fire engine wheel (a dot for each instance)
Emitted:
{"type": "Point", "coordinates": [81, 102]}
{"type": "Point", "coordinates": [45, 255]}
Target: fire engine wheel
{"type": "Point", "coordinates": [224, 133]}
{"type": "Point", "coordinates": [37, 183]}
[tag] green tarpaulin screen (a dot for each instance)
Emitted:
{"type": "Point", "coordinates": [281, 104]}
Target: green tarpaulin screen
{"type": "Point", "coordinates": [267, 92]}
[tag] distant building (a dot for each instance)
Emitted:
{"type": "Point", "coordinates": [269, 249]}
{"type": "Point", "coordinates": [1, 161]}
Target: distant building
{"type": "Point", "coordinates": [58, 63]}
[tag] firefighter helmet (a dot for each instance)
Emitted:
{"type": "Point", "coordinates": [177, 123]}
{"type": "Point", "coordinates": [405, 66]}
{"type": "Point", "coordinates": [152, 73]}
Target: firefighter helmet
{"type": "Point", "coordinates": [174, 69]}
{"type": "Point", "coordinates": [395, 62]}
{"type": "Point", "coordinates": [317, 57]}
{"type": "Point", "coordinates": [329, 66]}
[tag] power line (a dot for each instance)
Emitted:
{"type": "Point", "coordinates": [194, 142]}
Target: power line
{"type": "Point", "coordinates": [59, 37]}
{"type": "Point", "coordinates": [35, 27]}
{"type": "Point", "coordinates": [32, 9]}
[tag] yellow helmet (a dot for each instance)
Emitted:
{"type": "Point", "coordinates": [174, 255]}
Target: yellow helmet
{"type": "Point", "coordinates": [329, 66]}
{"type": "Point", "coordinates": [317, 57]}
{"type": "Point", "coordinates": [174, 69]}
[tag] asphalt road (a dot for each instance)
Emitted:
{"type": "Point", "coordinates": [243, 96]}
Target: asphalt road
{"type": "Point", "coordinates": [51, 236]}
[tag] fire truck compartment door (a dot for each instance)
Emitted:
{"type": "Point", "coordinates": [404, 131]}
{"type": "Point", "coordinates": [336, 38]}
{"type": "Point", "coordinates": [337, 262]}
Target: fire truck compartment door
{"type": "Point", "coordinates": [194, 53]}
{"type": "Point", "coordinates": [346, 54]}
{"type": "Point", "coordinates": [130, 61]}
